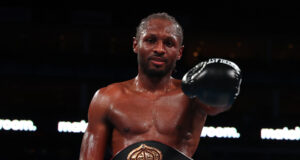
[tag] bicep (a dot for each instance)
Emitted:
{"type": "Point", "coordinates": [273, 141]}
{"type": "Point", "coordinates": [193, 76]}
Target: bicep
{"type": "Point", "coordinates": [95, 138]}
{"type": "Point", "coordinates": [94, 142]}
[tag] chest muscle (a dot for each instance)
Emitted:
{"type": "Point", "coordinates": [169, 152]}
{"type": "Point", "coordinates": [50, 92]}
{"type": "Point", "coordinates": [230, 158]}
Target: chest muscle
{"type": "Point", "coordinates": [137, 115]}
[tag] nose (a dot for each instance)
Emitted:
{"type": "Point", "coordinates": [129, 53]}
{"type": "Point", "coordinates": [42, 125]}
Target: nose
{"type": "Point", "coordinates": [159, 48]}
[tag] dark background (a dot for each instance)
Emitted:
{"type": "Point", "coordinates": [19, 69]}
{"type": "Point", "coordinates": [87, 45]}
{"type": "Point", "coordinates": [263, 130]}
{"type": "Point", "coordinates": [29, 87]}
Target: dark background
{"type": "Point", "coordinates": [53, 57]}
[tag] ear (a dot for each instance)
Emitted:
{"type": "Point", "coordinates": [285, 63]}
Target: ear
{"type": "Point", "coordinates": [135, 45]}
{"type": "Point", "coordinates": [180, 52]}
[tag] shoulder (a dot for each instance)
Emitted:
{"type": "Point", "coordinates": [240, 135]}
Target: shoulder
{"type": "Point", "coordinates": [176, 82]}
{"type": "Point", "coordinates": [111, 91]}
{"type": "Point", "coordinates": [104, 98]}
{"type": "Point", "coordinates": [114, 89]}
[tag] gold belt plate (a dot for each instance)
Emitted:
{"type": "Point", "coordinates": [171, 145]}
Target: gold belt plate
{"type": "Point", "coordinates": [144, 152]}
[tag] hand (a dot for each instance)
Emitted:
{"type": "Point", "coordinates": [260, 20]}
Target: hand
{"type": "Point", "coordinates": [215, 82]}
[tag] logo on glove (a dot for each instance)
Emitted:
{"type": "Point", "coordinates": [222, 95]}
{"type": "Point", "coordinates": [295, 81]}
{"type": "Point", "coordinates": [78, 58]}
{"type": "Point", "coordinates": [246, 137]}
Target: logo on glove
{"type": "Point", "coordinates": [224, 61]}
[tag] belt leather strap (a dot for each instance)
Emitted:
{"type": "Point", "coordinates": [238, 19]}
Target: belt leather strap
{"type": "Point", "coordinates": [150, 150]}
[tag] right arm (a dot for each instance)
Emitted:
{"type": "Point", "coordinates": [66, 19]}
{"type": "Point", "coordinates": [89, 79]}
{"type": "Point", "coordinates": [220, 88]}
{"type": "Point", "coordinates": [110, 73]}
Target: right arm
{"type": "Point", "coordinates": [95, 138]}
{"type": "Point", "coordinates": [215, 84]}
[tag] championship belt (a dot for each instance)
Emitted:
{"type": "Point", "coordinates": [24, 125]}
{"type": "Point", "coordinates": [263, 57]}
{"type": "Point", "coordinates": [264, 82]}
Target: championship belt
{"type": "Point", "coordinates": [150, 150]}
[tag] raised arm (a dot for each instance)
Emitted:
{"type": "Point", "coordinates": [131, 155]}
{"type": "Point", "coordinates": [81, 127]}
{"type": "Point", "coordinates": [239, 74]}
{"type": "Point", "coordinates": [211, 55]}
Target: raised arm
{"type": "Point", "coordinates": [95, 138]}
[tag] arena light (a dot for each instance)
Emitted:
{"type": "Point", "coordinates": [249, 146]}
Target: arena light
{"type": "Point", "coordinates": [220, 132]}
{"type": "Point", "coordinates": [73, 127]}
{"type": "Point", "coordinates": [17, 125]}
{"type": "Point", "coordinates": [280, 134]}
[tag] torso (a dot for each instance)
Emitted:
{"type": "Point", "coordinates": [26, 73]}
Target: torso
{"type": "Point", "coordinates": [170, 118]}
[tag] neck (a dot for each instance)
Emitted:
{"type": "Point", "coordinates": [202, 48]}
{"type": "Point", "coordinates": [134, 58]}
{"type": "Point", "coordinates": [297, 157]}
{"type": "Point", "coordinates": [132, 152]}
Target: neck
{"type": "Point", "coordinates": [144, 82]}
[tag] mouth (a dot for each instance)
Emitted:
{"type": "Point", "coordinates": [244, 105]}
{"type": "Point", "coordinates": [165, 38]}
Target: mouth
{"type": "Point", "coordinates": [158, 60]}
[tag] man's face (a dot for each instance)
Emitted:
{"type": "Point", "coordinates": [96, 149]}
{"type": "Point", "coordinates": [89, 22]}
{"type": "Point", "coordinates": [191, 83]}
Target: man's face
{"type": "Point", "coordinates": [158, 48]}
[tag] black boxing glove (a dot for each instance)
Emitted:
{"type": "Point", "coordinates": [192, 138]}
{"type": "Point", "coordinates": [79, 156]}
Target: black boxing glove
{"type": "Point", "coordinates": [215, 82]}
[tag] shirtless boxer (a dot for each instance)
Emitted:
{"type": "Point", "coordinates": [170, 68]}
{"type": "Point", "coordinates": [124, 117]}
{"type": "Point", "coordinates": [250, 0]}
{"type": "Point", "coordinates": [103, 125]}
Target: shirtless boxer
{"type": "Point", "coordinates": [154, 116]}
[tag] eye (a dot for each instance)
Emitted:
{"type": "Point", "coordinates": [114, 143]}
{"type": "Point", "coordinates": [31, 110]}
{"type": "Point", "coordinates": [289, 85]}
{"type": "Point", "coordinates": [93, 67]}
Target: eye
{"type": "Point", "coordinates": [151, 40]}
{"type": "Point", "coordinates": [169, 43]}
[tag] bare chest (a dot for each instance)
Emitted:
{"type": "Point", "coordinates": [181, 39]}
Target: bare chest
{"type": "Point", "coordinates": [138, 114]}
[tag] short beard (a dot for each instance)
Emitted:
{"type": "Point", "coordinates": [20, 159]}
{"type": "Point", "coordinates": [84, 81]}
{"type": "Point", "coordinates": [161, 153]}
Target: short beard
{"type": "Point", "coordinates": [156, 73]}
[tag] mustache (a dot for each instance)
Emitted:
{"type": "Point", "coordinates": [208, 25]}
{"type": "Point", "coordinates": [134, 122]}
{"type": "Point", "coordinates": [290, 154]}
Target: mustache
{"type": "Point", "coordinates": [157, 58]}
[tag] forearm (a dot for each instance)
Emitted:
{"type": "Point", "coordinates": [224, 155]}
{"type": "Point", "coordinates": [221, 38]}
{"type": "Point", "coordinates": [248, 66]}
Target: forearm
{"type": "Point", "coordinates": [212, 110]}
